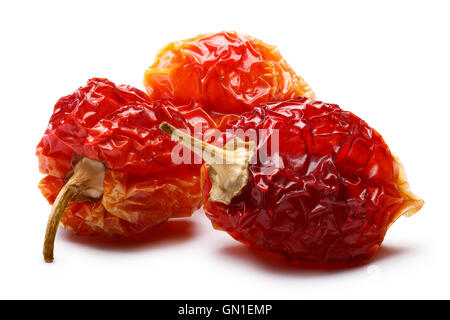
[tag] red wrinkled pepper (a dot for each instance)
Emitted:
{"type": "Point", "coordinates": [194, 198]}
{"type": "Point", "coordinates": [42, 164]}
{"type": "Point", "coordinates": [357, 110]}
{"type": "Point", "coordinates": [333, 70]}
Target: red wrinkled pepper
{"type": "Point", "coordinates": [110, 134]}
{"type": "Point", "coordinates": [228, 73]}
{"type": "Point", "coordinates": [332, 201]}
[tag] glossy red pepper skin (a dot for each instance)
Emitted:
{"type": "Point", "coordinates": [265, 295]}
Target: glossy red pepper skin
{"type": "Point", "coordinates": [228, 73]}
{"type": "Point", "coordinates": [118, 125]}
{"type": "Point", "coordinates": [338, 193]}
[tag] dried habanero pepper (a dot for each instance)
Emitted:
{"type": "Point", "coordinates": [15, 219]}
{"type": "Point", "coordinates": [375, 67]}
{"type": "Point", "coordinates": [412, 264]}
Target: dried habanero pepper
{"type": "Point", "coordinates": [103, 148]}
{"type": "Point", "coordinates": [333, 199]}
{"type": "Point", "coordinates": [227, 72]}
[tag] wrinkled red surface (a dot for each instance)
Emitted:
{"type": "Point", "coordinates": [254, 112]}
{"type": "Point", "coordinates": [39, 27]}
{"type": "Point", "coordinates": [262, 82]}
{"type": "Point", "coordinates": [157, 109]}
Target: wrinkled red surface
{"type": "Point", "coordinates": [226, 72]}
{"type": "Point", "coordinates": [114, 124]}
{"type": "Point", "coordinates": [339, 191]}
{"type": "Point", "coordinates": [130, 204]}
{"type": "Point", "coordinates": [118, 125]}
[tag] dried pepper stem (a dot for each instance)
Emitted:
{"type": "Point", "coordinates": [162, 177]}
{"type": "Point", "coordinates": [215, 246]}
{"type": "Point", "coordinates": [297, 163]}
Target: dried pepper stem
{"type": "Point", "coordinates": [65, 195]}
{"type": "Point", "coordinates": [227, 167]}
{"type": "Point", "coordinates": [86, 182]}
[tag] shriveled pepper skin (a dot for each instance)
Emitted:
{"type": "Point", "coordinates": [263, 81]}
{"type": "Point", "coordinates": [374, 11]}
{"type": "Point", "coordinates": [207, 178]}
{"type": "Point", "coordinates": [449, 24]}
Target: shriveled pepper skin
{"type": "Point", "coordinates": [129, 204]}
{"type": "Point", "coordinates": [227, 72]}
{"type": "Point", "coordinates": [118, 125]}
{"type": "Point", "coordinates": [334, 199]}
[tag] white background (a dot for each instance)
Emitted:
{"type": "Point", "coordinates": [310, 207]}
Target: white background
{"type": "Point", "coordinates": [387, 61]}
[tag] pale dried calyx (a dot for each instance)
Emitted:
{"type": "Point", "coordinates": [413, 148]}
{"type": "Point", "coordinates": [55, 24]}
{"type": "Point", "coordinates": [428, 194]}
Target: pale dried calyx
{"type": "Point", "coordinates": [227, 167]}
{"type": "Point", "coordinates": [85, 183]}
{"type": "Point", "coordinates": [412, 202]}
